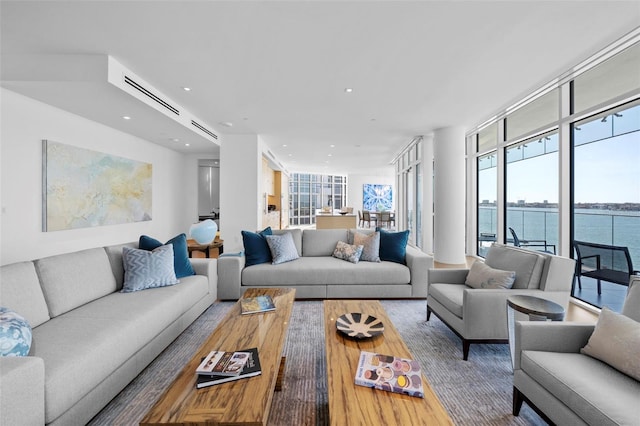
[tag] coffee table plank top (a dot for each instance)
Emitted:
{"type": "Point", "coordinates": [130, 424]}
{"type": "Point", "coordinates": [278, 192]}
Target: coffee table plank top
{"type": "Point", "coordinates": [358, 405]}
{"type": "Point", "coordinates": [241, 402]}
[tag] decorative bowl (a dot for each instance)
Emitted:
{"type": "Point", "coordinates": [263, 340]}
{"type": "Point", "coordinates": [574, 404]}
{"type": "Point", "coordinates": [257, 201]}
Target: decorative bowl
{"type": "Point", "coordinates": [359, 326]}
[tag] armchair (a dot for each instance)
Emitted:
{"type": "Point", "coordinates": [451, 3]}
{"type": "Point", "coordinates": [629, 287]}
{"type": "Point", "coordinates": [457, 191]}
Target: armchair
{"type": "Point", "coordinates": [479, 315]}
{"type": "Point", "coordinates": [567, 387]}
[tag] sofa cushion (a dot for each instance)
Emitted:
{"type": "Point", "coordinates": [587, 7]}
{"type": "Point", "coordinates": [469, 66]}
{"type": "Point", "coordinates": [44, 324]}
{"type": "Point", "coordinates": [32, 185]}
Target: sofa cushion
{"type": "Point", "coordinates": [256, 249]}
{"type": "Point", "coordinates": [148, 269]}
{"type": "Point", "coordinates": [393, 245]}
{"type": "Point", "coordinates": [282, 248]}
{"type": "Point", "coordinates": [528, 265]}
{"type": "Point", "coordinates": [181, 263]}
{"type": "Point", "coordinates": [64, 279]}
{"type": "Point", "coordinates": [449, 296]}
{"type": "Point", "coordinates": [597, 393]}
{"type": "Point", "coordinates": [321, 242]}
{"type": "Point", "coordinates": [616, 341]}
{"type": "Point", "coordinates": [21, 292]}
{"type": "Point", "coordinates": [482, 276]}
{"type": "Point", "coordinates": [370, 245]}
{"type": "Point", "coordinates": [325, 270]}
{"type": "Point", "coordinates": [114, 253]}
{"type": "Point", "coordinates": [349, 252]}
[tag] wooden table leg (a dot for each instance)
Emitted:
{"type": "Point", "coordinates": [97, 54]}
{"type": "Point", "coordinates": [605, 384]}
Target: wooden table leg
{"type": "Point", "coordinates": [280, 379]}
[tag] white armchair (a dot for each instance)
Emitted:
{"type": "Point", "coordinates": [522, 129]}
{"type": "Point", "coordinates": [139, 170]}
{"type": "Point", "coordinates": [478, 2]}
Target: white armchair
{"type": "Point", "coordinates": [479, 315]}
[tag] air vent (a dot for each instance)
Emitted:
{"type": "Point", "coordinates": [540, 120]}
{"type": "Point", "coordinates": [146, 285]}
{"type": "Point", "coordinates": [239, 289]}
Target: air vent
{"type": "Point", "coordinates": [204, 129]}
{"type": "Point", "coordinates": [151, 95]}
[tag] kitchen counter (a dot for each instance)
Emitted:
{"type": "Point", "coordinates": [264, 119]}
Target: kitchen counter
{"type": "Point", "coordinates": [336, 221]}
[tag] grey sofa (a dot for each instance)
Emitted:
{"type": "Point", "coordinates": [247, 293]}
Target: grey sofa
{"type": "Point", "coordinates": [567, 387]}
{"type": "Point", "coordinates": [89, 339]}
{"type": "Point", "coordinates": [318, 275]}
{"type": "Point", "coordinates": [478, 315]}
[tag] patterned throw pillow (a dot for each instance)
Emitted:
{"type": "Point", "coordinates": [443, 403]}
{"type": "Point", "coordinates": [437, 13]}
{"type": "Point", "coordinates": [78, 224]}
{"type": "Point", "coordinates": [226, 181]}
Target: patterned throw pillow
{"type": "Point", "coordinates": [148, 269]}
{"type": "Point", "coordinates": [483, 276]}
{"type": "Point", "coordinates": [371, 246]}
{"type": "Point", "coordinates": [15, 334]}
{"type": "Point", "coordinates": [349, 252]}
{"type": "Point", "coordinates": [282, 248]}
{"type": "Point", "coordinates": [181, 262]}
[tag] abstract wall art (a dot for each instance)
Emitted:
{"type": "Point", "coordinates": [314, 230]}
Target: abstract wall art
{"type": "Point", "coordinates": [83, 188]}
{"type": "Point", "coordinates": [377, 197]}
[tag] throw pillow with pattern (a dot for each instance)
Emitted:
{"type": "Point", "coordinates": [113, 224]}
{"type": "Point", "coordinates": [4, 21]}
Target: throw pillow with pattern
{"type": "Point", "coordinates": [148, 269]}
{"type": "Point", "coordinates": [282, 248]}
{"type": "Point", "coordinates": [348, 252]}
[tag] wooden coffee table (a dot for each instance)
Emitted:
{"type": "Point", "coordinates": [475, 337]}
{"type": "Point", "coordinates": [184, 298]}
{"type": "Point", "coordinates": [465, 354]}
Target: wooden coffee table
{"type": "Point", "coordinates": [241, 402]}
{"type": "Point", "coordinates": [350, 404]}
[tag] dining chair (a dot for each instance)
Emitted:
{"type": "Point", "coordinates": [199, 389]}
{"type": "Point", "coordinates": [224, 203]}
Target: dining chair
{"type": "Point", "coordinates": [385, 218]}
{"type": "Point", "coordinates": [366, 217]}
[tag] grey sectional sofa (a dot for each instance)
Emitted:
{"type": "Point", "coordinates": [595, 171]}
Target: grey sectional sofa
{"type": "Point", "coordinates": [568, 387]}
{"type": "Point", "coordinates": [89, 339]}
{"type": "Point", "coordinates": [318, 275]}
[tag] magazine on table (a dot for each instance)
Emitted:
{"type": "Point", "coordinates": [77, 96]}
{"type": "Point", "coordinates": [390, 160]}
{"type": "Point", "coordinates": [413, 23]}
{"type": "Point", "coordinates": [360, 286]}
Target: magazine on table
{"type": "Point", "coordinates": [251, 369]}
{"type": "Point", "coordinates": [390, 373]}
{"type": "Point", "coordinates": [252, 305]}
{"type": "Point", "coordinates": [223, 363]}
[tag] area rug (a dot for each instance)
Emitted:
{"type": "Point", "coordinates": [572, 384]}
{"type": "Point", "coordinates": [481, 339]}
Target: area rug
{"type": "Point", "coordinates": [474, 392]}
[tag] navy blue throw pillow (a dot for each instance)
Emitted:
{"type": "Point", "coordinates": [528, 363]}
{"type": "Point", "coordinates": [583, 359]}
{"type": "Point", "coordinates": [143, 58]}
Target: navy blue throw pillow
{"type": "Point", "coordinates": [256, 249]}
{"type": "Point", "coordinates": [181, 263]}
{"type": "Point", "coordinates": [393, 245]}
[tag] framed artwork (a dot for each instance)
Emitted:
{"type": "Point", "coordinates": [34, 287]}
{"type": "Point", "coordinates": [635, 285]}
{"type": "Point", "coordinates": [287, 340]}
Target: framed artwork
{"type": "Point", "coordinates": [83, 188]}
{"type": "Point", "coordinates": [377, 197]}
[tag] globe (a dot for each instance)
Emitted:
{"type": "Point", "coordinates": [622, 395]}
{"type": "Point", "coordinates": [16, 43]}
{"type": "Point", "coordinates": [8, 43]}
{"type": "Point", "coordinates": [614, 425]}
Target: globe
{"type": "Point", "coordinates": [204, 232]}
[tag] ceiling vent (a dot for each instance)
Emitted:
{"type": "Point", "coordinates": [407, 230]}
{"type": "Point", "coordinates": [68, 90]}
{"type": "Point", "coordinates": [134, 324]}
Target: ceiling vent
{"type": "Point", "coordinates": [204, 129]}
{"type": "Point", "coordinates": [149, 94]}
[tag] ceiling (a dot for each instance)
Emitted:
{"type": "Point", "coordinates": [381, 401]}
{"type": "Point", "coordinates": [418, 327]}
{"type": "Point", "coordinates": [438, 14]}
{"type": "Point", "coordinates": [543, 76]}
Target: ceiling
{"type": "Point", "coordinates": [279, 69]}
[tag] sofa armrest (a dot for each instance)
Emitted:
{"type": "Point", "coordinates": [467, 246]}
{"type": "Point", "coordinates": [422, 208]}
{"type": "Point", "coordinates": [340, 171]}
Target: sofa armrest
{"type": "Point", "coordinates": [419, 264]}
{"type": "Point", "coordinates": [448, 276]}
{"type": "Point", "coordinates": [230, 277]}
{"type": "Point", "coordinates": [485, 311]}
{"type": "Point", "coordinates": [555, 336]}
{"type": "Point", "coordinates": [21, 391]}
{"type": "Point", "coordinates": [208, 268]}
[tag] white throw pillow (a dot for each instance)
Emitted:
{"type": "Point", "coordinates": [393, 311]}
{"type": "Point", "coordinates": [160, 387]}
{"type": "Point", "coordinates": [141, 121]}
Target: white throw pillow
{"type": "Point", "coordinates": [616, 341]}
{"type": "Point", "coordinates": [483, 276]}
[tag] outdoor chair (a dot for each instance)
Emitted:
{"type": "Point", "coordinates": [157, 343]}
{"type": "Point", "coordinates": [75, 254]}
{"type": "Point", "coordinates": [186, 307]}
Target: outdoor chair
{"type": "Point", "coordinates": [603, 262]}
{"type": "Point", "coordinates": [532, 243]}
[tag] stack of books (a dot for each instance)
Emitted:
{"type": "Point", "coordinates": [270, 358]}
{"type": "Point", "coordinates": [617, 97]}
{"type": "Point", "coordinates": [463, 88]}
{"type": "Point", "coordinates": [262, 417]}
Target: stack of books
{"type": "Point", "coordinates": [221, 367]}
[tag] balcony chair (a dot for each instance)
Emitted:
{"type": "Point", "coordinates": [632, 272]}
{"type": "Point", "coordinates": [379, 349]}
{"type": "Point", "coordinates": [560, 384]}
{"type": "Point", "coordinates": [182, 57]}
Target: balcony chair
{"type": "Point", "coordinates": [531, 243]}
{"type": "Point", "coordinates": [603, 263]}
{"type": "Point", "coordinates": [477, 311]}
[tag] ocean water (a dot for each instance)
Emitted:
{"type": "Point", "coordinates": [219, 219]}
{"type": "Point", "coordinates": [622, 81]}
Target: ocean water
{"type": "Point", "coordinates": [612, 227]}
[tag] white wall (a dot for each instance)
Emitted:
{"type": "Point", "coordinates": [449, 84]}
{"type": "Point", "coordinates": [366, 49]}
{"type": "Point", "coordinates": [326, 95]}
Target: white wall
{"type": "Point", "coordinates": [240, 188]}
{"type": "Point", "coordinates": [25, 123]}
{"type": "Point", "coordinates": [355, 182]}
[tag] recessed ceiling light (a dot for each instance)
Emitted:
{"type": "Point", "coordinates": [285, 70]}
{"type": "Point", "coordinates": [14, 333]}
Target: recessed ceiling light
{"type": "Point", "coordinates": [290, 155]}
{"type": "Point", "coordinates": [348, 90]}
{"type": "Point", "coordinates": [186, 89]}
{"type": "Point", "coordinates": [175, 140]}
{"type": "Point", "coordinates": [186, 144]}
{"type": "Point", "coordinates": [329, 155]}
{"type": "Point", "coordinates": [284, 145]}
{"type": "Point", "coordinates": [226, 123]}
{"type": "Point", "coordinates": [126, 117]}
{"type": "Point", "coordinates": [332, 146]}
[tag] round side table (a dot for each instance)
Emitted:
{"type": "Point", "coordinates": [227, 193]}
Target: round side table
{"type": "Point", "coordinates": [536, 308]}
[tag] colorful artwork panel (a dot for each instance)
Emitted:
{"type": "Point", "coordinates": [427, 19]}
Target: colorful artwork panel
{"type": "Point", "coordinates": [377, 197]}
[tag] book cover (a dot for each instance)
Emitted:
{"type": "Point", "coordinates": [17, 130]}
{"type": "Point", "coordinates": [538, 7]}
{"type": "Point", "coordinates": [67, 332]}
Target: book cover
{"type": "Point", "coordinates": [251, 369]}
{"type": "Point", "coordinates": [251, 305]}
{"type": "Point", "coordinates": [223, 363]}
{"type": "Point", "coordinates": [389, 373]}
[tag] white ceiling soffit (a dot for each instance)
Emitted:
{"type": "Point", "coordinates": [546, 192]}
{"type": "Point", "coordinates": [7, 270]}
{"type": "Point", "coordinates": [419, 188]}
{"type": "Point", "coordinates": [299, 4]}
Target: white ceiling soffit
{"type": "Point", "coordinates": [103, 82]}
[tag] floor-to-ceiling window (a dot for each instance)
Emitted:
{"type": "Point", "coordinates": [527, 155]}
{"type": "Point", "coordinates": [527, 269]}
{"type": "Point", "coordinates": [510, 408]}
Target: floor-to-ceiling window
{"type": "Point", "coordinates": [311, 192]}
{"type": "Point", "coordinates": [563, 164]}
{"type": "Point", "coordinates": [409, 200]}
{"type": "Point", "coordinates": [532, 193]}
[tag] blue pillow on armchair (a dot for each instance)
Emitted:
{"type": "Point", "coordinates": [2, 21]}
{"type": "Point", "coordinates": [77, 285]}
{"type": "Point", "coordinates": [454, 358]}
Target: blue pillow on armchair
{"type": "Point", "coordinates": [181, 262]}
{"type": "Point", "coordinates": [393, 245]}
{"type": "Point", "coordinates": [256, 248]}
